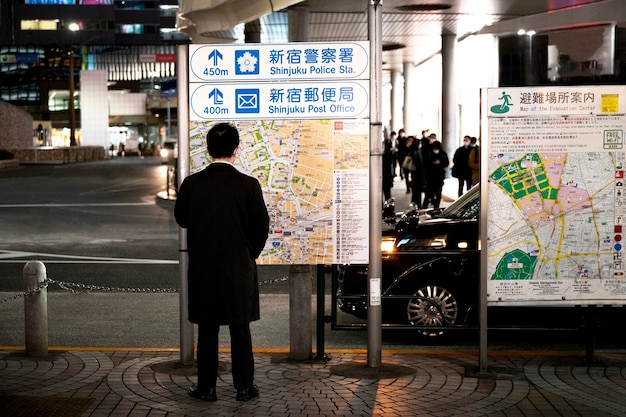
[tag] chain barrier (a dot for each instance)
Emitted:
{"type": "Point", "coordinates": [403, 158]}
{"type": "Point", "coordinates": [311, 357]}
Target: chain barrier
{"type": "Point", "coordinates": [26, 293]}
{"type": "Point", "coordinates": [78, 288]}
{"type": "Point", "coordinates": [83, 288]}
{"type": "Point", "coordinates": [273, 281]}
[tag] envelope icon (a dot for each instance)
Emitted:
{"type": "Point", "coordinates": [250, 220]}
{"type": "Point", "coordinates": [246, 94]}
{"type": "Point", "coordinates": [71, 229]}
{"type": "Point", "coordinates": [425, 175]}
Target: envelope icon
{"type": "Point", "coordinates": [247, 100]}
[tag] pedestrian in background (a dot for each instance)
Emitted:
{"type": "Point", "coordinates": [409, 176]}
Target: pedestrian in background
{"type": "Point", "coordinates": [418, 176]}
{"type": "Point", "coordinates": [227, 226]}
{"type": "Point", "coordinates": [393, 140]}
{"type": "Point", "coordinates": [388, 167]}
{"type": "Point", "coordinates": [402, 152]}
{"type": "Point", "coordinates": [425, 145]}
{"type": "Point", "coordinates": [460, 167]}
{"type": "Point", "coordinates": [435, 174]}
{"type": "Point", "coordinates": [473, 160]}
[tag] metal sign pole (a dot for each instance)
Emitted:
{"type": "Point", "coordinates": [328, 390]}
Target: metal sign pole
{"type": "Point", "coordinates": [186, 328]}
{"type": "Point", "coordinates": [482, 236]}
{"type": "Point", "coordinates": [374, 309]}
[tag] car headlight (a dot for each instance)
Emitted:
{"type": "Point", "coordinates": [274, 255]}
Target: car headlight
{"type": "Point", "coordinates": [388, 245]}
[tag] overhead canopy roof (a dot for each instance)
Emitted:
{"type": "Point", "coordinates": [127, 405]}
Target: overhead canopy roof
{"type": "Point", "coordinates": [412, 29]}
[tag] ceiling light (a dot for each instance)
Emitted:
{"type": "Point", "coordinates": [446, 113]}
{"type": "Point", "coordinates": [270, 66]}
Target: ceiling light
{"type": "Point", "coordinates": [392, 46]}
{"type": "Point", "coordinates": [423, 7]}
{"type": "Point", "coordinates": [523, 32]}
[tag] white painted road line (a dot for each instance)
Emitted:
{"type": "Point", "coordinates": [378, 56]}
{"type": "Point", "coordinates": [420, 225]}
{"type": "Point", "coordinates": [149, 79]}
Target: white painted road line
{"type": "Point", "coordinates": [74, 205]}
{"type": "Point", "coordinates": [11, 257]}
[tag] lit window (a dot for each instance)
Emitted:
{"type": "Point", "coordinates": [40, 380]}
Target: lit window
{"type": "Point", "coordinates": [38, 24]}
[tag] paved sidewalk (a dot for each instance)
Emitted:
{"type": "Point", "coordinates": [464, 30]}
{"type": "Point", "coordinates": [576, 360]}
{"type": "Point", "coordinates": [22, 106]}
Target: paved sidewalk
{"type": "Point", "coordinates": [127, 382]}
{"type": "Point", "coordinates": [142, 383]}
{"type": "Point", "coordinates": [403, 199]}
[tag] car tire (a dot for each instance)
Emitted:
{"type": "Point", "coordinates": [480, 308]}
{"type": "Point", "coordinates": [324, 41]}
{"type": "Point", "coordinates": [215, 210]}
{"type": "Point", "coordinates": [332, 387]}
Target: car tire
{"type": "Point", "coordinates": [432, 306]}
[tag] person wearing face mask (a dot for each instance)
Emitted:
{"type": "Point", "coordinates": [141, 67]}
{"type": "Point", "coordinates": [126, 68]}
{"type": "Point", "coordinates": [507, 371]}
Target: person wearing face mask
{"type": "Point", "coordinates": [403, 152]}
{"type": "Point", "coordinates": [460, 167]}
{"type": "Point", "coordinates": [425, 141]}
{"type": "Point", "coordinates": [388, 166]}
{"type": "Point", "coordinates": [435, 174]}
{"type": "Point", "coordinates": [425, 144]}
{"type": "Point", "coordinates": [417, 174]}
{"type": "Point", "coordinates": [473, 160]}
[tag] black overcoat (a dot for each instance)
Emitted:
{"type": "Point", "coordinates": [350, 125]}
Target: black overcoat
{"type": "Point", "coordinates": [227, 226]}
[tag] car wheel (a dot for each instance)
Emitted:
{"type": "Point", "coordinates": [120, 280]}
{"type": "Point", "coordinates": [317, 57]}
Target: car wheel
{"type": "Point", "coordinates": [432, 306]}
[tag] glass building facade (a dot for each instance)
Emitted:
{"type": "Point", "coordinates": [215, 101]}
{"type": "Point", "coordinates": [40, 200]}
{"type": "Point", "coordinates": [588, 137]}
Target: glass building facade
{"type": "Point", "coordinates": [46, 43]}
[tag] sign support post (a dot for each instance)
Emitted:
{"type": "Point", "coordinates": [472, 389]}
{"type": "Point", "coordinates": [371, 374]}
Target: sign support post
{"type": "Point", "coordinates": [482, 245]}
{"type": "Point", "coordinates": [374, 310]}
{"type": "Point", "coordinates": [186, 328]}
{"type": "Point", "coordinates": [300, 276]}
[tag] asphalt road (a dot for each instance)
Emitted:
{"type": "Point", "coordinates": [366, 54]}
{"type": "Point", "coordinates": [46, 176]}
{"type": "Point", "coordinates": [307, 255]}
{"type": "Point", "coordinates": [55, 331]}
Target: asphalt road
{"type": "Point", "coordinates": [97, 223]}
{"type": "Point", "coordinates": [102, 224]}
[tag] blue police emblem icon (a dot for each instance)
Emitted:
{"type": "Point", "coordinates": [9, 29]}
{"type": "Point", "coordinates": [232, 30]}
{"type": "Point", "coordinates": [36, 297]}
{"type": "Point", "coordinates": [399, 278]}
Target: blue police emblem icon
{"type": "Point", "coordinates": [247, 62]}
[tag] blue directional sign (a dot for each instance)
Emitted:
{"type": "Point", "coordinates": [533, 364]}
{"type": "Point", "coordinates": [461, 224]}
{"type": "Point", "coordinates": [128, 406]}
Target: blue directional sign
{"type": "Point", "coordinates": [302, 100]}
{"type": "Point", "coordinates": [215, 56]}
{"type": "Point", "coordinates": [217, 96]}
{"type": "Point", "coordinates": [271, 62]}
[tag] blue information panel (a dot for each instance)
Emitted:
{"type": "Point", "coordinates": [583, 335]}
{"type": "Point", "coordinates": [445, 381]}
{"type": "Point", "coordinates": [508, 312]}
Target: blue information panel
{"type": "Point", "coordinates": [19, 58]}
{"type": "Point", "coordinates": [292, 61]}
{"type": "Point", "coordinates": [281, 100]}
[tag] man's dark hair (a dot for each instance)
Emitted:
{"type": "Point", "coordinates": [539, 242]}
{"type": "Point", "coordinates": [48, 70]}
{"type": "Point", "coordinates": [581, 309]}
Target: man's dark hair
{"type": "Point", "coordinates": [222, 140]}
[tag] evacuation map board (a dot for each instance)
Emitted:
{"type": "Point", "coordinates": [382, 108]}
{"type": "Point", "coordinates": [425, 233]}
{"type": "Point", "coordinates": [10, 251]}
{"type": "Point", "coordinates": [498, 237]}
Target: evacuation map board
{"type": "Point", "coordinates": [556, 204]}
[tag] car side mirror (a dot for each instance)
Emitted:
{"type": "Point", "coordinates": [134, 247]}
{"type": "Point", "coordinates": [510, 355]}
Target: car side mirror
{"type": "Point", "coordinates": [389, 211]}
{"type": "Point", "coordinates": [408, 222]}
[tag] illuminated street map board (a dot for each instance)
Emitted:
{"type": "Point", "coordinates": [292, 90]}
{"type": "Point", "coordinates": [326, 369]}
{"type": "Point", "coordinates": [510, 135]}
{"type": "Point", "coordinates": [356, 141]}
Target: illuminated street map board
{"type": "Point", "coordinates": [301, 110]}
{"type": "Point", "coordinates": [556, 205]}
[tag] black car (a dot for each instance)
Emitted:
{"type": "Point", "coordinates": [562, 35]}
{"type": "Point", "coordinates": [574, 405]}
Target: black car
{"type": "Point", "coordinates": [429, 268]}
{"type": "Point", "coordinates": [431, 278]}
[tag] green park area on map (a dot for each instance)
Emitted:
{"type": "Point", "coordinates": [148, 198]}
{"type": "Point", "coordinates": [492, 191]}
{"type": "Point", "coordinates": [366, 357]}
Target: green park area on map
{"type": "Point", "coordinates": [516, 264]}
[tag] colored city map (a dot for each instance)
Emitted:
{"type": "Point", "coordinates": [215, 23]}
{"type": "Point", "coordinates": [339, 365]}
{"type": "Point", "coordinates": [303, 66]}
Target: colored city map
{"type": "Point", "coordinates": [294, 161]}
{"type": "Point", "coordinates": [551, 216]}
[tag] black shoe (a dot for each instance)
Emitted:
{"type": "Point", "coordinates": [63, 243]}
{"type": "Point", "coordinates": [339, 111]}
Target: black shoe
{"type": "Point", "coordinates": [204, 395]}
{"type": "Point", "coordinates": [247, 393]}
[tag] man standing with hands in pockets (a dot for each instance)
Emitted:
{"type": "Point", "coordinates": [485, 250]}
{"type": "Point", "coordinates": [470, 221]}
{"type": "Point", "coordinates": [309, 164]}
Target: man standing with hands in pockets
{"type": "Point", "coordinates": [227, 226]}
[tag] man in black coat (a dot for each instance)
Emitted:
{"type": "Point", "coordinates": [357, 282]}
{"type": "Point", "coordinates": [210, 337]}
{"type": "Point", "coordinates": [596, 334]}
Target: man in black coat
{"type": "Point", "coordinates": [461, 169]}
{"type": "Point", "coordinates": [435, 174]}
{"type": "Point", "coordinates": [227, 226]}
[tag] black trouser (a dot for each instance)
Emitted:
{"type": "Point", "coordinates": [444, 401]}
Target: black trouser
{"type": "Point", "coordinates": [433, 193]}
{"type": "Point", "coordinates": [241, 355]}
{"type": "Point", "coordinates": [417, 186]}
{"type": "Point", "coordinates": [465, 181]}
{"type": "Point", "coordinates": [407, 178]}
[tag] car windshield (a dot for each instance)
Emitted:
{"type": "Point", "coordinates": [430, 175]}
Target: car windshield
{"type": "Point", "coordinates": [466, 207]}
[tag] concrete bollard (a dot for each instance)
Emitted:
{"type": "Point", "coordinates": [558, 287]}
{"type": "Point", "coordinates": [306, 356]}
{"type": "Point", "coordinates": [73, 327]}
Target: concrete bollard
{"type": "Point", "coordinates": [300, 315]}
{"type": "Point", "coordinates": [35, 309]}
